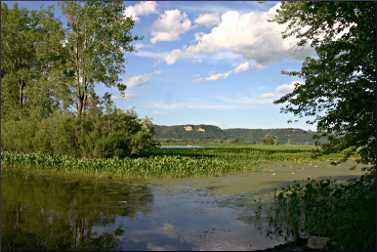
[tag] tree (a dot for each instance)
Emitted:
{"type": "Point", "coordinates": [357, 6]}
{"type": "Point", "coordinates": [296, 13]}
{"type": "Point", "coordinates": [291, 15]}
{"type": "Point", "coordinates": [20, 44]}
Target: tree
{"type": "Point", "coordinates": [270, 139]}
{"type": "Point", "coordinates": [339, 83]}
{"type": "Point", "coordinates": [98, 35]}
{"type": "Point", "coordinates": [46, 70]}
{"type": "Point", "coordinates": [32, 60]}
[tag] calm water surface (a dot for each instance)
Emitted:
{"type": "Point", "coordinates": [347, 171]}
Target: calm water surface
{"type": "Point", "coordinates": [44, 212]}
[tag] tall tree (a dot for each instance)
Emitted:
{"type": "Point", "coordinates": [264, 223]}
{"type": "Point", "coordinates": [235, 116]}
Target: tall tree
{"type": "Point", "coordinates": [32, 56]}
{"type": "Point", "coordinates": [340, 82]}
{"type": "Point", "coordinates": [98, 37]}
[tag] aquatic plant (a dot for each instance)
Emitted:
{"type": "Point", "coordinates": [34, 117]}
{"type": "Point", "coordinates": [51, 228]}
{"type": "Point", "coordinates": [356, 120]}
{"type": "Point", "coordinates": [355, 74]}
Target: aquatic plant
{"type": "Point", "coordinates": [153, 166]}
{"type": "Point", "coordinates": [176, 163]}
{"type": "Point", "coordinates": [343, 212]}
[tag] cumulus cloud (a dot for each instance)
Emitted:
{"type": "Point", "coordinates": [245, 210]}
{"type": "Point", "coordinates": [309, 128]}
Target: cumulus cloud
{"type": "Point", "coordinates": [242, 67]}
{"type": "Point", "coordinates": [250, 35]}
{"type": "Point", "coordinates": [142, 8]}
{"type": "Point", "coordinates": [238, 69]}
{"type": "Point", "coordinates": [171, 57]}
{"type": "Point", "coordinates": [169, 26]}
{"type": "Point", "coordinates": [207, 19]}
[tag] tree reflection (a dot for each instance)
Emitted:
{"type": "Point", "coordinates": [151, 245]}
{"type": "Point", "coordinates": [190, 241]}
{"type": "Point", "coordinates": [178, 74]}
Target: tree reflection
{"type": "Point", "coordinates": [55, 213]}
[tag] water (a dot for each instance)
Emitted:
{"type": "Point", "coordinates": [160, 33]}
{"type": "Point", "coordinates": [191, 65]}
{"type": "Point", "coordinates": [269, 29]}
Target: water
{"type": "Point", "coordinates": [57, 213]}
{"type": "Point", "coordinates": [44, 212]}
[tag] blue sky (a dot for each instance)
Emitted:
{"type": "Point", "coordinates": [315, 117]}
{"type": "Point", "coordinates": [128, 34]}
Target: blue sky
{"type": "Point", "coordinates": [207, 63]}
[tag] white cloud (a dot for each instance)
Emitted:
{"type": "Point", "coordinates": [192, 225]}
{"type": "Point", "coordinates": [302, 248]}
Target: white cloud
{"type": "Point", "coordinates": [171, 57]}
{"type": "Point", "coordinates": [238, 69]}
{"type": "Point", "coordinates": [137, 80]}
{"type": "Point", "coordinates": [288, 88]}
{"type": "Point", "coordinates": [127, 96]}
{"type": "Point", "coordinates": [142, 8]}
{"type": "Point", "coordinates": [138, 46]}
{"type": "Point", "coordinates": [242, 67]}
{"type": "Point", "coordinates": [250, 35]}
{"type": "Point", "coordinates": [217, 76]}
{"type": "Point", "coordinates": [267, 96]}
{"type": "Point", "coordinates": [134, 81]}
{"type": "Point", "coordinates": [169, 26]}
{"type": "Point", "coordinates": [246, 66]}
{"type": "Point", "coordinates": [207, 20]}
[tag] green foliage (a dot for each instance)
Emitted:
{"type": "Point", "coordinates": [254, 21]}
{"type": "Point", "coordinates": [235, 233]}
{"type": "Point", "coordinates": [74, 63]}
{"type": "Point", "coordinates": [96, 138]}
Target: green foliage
{"type": "Point", "coordinates": [155, 162]}
{"type": "Point", "coordinates": [98, 36]}
{"type": "Point", "coordinates": [32, 60]}
{"type": "Point", "coordinates": [270, 139]}
{"type": "Point", "coordinates": [343, 212]}
{"type": "Point", "coordinates": [340, 83]}
{"type": "Point", "coordinates": [117, 134]}
{"type": "Point", "coordinates": [48, 69]}
{"type": "Point", "coordinates": [158, 166]}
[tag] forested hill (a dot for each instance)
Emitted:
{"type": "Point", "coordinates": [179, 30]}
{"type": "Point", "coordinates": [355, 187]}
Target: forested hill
{"type": "Point", "coordinates": [210, 133]}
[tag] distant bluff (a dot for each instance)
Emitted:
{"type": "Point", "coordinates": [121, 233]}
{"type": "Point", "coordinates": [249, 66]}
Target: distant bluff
{"type": "Point", "coordinates": [211, 133]}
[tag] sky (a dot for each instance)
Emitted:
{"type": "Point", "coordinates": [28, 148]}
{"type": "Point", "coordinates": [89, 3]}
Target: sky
{"type": "Point", "coordinates": [213, 63]}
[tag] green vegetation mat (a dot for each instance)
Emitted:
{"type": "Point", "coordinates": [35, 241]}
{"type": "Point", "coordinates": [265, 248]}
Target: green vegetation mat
{"type": "Point", "coordinates": [175, 163]}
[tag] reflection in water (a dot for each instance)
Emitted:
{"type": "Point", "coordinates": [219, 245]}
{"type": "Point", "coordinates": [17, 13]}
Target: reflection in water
{"type": "Point", "coordinates": [51, 213]}
{"type": "Point", "coordinates": [57, 213]}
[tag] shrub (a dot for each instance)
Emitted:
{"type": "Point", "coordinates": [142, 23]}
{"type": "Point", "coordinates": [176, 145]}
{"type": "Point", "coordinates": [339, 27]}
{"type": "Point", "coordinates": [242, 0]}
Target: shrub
{"type": "Point", "coordinates": [270, 139]}
{"type": "Point", "coordinates": [116, 134]}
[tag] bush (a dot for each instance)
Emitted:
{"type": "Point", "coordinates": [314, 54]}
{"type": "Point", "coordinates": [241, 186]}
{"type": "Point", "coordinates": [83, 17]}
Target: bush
{"type": "Point", "coordinates": [116, 134]}
{"type": "Point", "coordinates": [56, 134]}
{"type": "Point", "coordinates": [270, 139]}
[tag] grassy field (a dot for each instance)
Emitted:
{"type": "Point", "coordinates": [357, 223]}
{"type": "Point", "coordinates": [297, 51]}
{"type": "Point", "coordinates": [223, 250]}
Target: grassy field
{"type": "Point", "coordinates": [173, 163]}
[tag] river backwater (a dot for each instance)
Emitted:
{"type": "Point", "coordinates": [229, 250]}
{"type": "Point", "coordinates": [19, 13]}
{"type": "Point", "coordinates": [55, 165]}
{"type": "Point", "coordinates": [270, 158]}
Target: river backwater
{"type": "Point", "coordinates": [213, 213]}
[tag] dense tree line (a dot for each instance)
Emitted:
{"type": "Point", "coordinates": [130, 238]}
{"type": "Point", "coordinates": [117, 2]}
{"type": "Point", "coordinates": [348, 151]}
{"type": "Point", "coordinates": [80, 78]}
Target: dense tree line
{"type": "Point", "coordinates": [49, 73]}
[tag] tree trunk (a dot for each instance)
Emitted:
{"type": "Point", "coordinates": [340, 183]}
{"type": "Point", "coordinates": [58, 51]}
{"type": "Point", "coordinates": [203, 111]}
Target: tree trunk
{"type": "Point", "coordinates": [22, 91]}
{"type": "Point", "coordinates": [80, 105]}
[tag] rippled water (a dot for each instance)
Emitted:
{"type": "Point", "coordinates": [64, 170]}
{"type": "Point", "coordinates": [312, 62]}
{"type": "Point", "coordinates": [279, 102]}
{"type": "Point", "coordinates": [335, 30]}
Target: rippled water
{"type": "Point", "coordinates": [43, 212]}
